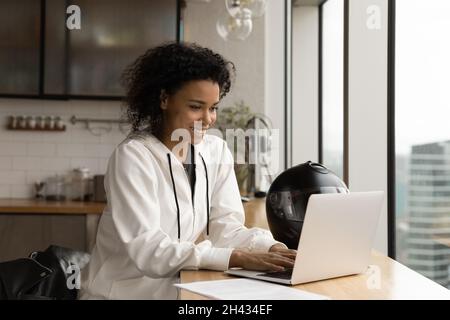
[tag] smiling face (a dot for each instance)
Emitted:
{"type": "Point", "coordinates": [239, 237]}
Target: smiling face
{"type": "Point", "coordinates": [193, 108]}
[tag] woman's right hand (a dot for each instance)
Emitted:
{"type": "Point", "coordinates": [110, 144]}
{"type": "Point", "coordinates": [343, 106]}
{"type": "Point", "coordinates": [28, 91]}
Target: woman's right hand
{"type": "Point", "coordinates": [259, 261]}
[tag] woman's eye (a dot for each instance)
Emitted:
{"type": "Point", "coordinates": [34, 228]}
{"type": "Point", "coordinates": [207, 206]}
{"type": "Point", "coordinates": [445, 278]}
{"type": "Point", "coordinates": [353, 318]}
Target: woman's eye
{"type": "Point", "coordinates": [196, 107]}
{"type": "Point", "coordinates": [214, 109]}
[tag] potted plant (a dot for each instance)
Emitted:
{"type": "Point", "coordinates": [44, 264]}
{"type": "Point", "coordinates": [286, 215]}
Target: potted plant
{"type": "Point", "coordinates": [236, 117]}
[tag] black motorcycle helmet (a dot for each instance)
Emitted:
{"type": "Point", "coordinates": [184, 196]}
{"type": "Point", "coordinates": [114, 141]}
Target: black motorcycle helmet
{"type": "Point", "coordinates": [288, 196]}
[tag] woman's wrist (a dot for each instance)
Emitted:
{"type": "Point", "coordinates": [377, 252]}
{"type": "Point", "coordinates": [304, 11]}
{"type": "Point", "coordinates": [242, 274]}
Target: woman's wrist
{"type": "Point", "coordinates": [235, 258]}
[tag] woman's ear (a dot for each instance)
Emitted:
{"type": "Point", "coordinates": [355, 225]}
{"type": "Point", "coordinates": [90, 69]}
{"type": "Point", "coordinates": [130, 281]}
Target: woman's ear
{"type": "Point", "coordinates": [163, 98]}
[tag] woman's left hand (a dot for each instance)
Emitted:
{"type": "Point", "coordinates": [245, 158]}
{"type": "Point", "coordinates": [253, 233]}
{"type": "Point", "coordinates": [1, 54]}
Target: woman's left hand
{"type": "Point", "coordinates": [282, 250]}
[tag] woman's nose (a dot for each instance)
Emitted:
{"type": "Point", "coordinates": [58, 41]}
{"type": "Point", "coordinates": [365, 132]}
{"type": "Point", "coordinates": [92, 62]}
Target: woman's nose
{"type": "Point", "coordinates": [207, 119]}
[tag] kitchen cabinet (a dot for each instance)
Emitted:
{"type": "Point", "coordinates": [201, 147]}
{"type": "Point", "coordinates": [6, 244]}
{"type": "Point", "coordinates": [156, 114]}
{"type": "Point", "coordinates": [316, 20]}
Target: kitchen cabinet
{"type": "Point", "coordinates": [45, 59]}
{"type": "Point", "coordinates": [113, 34]}
{"type": "Point", "coordinates": [55, 42]}
{"type": "Point", "coordinates": [20, 46]}
{"type": "Point", "coordinates": [28, 225]}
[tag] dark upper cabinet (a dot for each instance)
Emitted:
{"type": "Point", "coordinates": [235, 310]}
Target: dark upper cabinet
{"type": "Point", "coordinates": [113, 34]}
{"type": "Point", "coordinates": [87, 62]}
{"type": "Point", "coordinates": [19, 46]}
{"type": "Point", "coordinates": [55, 42]}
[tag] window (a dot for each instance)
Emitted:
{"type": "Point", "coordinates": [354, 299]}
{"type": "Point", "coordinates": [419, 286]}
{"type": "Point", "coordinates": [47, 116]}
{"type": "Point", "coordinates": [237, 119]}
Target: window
{"type": "Point", "coordinates": [332, 85]}
{"type": "Point", "coordinates": [422, 135]}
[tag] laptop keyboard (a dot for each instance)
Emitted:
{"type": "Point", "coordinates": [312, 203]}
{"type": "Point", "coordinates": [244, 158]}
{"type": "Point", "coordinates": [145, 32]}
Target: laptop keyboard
{"type": "Point", "coordinates": [286, 274]}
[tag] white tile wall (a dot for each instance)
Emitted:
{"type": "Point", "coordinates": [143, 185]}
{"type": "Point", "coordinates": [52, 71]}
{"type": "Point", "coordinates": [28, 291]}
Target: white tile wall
{"type": "Point", "coordinates": [5, 163]}
{"type": "Point", "coordinates": [5, 191]}
{"type": "Point", "coordinates": [26, 163]}
{"type": "Point", "coordinates": [41, 149]}
{"type": "Point", "coordinates": [27, 157]}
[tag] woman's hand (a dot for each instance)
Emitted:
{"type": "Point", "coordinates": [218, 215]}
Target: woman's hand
{"type": "Point", "coordinates": [282, 250]}
{"type": "Point", "coordinates": [269, 261]}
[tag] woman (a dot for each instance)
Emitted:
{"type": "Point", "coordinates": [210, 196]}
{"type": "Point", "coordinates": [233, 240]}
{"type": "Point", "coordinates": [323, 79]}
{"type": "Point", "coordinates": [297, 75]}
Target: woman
{"type": "Point", "coordinates": [163, 195]}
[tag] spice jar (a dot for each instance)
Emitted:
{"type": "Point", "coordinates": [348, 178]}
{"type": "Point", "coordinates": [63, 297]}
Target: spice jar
{"type": "Point", "coordinates": [59, 124]}
{"type": "Point", "coordinates": [12, 122]}
{"type": "Point", "coordinates": [31, 122]}
{"type": "Point", "coordinates": [49, 122]}
{"type": "Point", "coordinates": [22, 122]}
{"type": "Point", "coordinates": [40, 122]}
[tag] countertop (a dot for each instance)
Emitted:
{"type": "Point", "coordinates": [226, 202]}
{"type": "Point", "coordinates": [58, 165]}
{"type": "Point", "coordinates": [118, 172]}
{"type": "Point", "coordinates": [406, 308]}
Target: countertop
{"type": "Point", "coordinates": [32, 206]}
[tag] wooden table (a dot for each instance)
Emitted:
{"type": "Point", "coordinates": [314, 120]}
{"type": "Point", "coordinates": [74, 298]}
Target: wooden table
{"type": "Point", "coordinates": [384, 279]}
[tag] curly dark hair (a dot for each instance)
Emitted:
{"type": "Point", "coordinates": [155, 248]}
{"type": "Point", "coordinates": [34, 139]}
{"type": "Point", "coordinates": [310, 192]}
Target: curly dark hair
{"type": "Point", "coordinates": [168, 67]}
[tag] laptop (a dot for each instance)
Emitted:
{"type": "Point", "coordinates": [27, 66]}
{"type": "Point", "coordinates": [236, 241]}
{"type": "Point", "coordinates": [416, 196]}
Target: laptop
{"type": "Point", "coordinates": [336, 239]}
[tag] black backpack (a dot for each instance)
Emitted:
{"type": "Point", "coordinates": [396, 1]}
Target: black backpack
{"type": "Point", "coordinates": [52, 274]}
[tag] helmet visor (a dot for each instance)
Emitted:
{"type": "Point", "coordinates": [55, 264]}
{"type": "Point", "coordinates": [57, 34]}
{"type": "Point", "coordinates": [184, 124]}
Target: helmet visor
{"type": "Point", "coordinates": [291, 205]}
